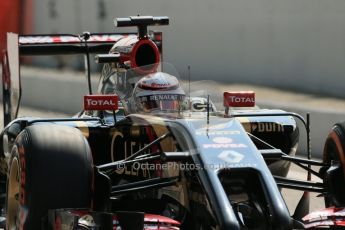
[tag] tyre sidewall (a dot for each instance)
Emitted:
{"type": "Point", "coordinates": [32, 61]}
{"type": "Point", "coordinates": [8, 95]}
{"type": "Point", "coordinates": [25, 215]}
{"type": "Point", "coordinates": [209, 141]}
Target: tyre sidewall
{"type": "Point", "coordinates": [334, 150]}
{"type": "Point", "coordinates": [55, 169]}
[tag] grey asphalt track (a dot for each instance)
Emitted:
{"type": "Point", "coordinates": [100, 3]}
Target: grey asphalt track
{"type": "Point", "coordinates": [292, 197]}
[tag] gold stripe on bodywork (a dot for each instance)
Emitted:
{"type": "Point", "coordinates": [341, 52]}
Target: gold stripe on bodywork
{"type": "Point", "coordinates": [167, 145]}
{"type": "Point", "coordinates": [178, 191]}
{"type": "Point", "coordinates": [245, 123]}
{"type": "Point", "coordinates": [83, 127]}
{"type": "Point", "coordinates": [159, 127]}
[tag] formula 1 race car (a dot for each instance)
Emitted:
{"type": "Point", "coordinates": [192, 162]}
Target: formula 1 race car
{"type": "Point", "coordinates": [153, 150]}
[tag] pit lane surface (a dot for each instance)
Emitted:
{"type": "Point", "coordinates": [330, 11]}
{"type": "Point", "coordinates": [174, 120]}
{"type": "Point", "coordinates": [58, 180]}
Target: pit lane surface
{"type": "Point", "coordinates": [32, 112]}
{"type": "Point", "coordinates": [291, 197]}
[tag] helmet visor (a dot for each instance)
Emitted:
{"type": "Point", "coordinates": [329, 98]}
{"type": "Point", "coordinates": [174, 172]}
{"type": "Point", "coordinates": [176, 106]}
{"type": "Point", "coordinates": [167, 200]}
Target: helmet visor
{"type": "Point", "coordinates": [169, 102]}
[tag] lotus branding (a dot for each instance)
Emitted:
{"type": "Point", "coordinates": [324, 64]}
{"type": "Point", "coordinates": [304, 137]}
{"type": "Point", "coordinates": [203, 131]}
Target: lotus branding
{"type": "Point", "coordinates": [231, 156]}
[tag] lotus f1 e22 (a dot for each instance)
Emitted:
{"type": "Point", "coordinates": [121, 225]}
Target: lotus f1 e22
{"type": "Point", "coordinates": [153, 151]}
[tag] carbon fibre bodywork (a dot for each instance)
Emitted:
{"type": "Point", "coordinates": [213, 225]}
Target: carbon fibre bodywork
{"type": "Point", "coordinates": [205, 142]}
{"type": "Point", "coordinates": [280, 132]}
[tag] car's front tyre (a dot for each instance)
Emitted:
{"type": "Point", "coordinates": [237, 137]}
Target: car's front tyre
{"type": "Point", "coordinates": [50, 168]}
{"type": "Point", "coordinates": [334, 153]}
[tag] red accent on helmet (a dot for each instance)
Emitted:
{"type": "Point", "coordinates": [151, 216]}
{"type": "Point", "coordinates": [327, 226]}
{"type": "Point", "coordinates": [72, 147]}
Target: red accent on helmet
{"type": "Point", "coordinates": [158, 82]}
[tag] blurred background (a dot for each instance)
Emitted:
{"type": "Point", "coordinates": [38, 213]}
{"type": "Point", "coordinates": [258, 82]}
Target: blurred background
{"type": "Point", "coordinates": [291, 52]}
{"type": "Point", "coordinates": [293, 44]}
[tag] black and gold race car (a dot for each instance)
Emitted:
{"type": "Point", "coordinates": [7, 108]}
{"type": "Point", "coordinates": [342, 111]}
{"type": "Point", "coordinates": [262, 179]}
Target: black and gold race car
{"type": "Point", "coordinates": [153, 150]}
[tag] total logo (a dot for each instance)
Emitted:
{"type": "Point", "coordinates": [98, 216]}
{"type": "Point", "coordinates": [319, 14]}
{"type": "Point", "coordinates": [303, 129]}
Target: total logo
{"type": "Point", "coordinates": [222, 140]}
{"type": "Point", "coordinates": [101, 102]}
{"type": "Point", "coordinates": [239, 99]}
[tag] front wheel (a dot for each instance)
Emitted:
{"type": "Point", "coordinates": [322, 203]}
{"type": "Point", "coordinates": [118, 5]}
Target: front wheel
{"type": "Point", "coordinates": [50, 168]}
{"type": "Point", "coordinates": [334, 152]}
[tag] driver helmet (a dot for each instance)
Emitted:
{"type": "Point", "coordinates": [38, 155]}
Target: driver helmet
{"type": "Point", "coordinates": [158, 92]}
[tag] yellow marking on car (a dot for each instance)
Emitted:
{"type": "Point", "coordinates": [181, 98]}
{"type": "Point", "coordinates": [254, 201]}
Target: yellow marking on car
{"type": "Point", "coordinates": [83, 127]}
{"type": "Point", "coordinates": [178, 191]}
{"type": "Point", "coordinates": [246, 123]}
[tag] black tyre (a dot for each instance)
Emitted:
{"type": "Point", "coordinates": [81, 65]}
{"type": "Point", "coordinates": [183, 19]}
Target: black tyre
{"type": "Point", "coordinates": [334, 150]}
{"type": "Point", "coordinates": [50, 168]}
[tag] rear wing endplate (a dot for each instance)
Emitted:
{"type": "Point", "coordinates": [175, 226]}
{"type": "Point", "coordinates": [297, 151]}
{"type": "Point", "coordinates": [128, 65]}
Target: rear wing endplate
{"type": "Point", "coordinates": [11, 87]}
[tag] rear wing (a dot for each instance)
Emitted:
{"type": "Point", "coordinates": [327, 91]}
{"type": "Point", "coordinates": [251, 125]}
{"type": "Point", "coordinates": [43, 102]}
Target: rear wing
{"type": "Point", "coordinates": [57, 44]}
{"type": "Point", "coordinates": [51, 44]}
